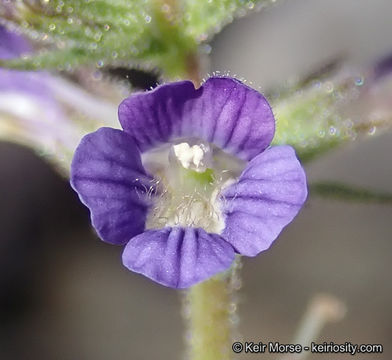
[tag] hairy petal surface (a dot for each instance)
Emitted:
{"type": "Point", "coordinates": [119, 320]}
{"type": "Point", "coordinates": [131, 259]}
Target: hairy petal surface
{"type": "Point", "coordinates": [223, 111]}
{"type": "Point", "coordinates": [178, 257]}
{"type": "Point", "coordinates": [108, 175]}
{"type": "Point", "coordinates": [270, 192]}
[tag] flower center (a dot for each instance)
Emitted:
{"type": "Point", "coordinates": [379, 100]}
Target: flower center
{"type": "Point", "coordinates": [189, 179]}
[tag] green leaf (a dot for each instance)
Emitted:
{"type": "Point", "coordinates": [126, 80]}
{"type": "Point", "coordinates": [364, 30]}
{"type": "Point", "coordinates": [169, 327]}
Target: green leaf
{"type": "Point", "coordinates": [203, 18]}
{"type": "Point", "coordinates": [339, 191]}
{"type": "Point", "coordinates": [158, 33]}
{"type": "Point", "coordinates": [103, 32]}
{"type": "Point", "coordinates": [319, 116]}
{"type": "Point", "coordinates": [309, 120]}
{"type": "Point", "coordinates": [62, 59]}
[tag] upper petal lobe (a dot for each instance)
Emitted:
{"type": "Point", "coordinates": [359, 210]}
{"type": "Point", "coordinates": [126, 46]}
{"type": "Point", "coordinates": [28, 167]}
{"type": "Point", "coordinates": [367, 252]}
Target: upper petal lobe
{"type": "Point", "coordinates": [222, 111]}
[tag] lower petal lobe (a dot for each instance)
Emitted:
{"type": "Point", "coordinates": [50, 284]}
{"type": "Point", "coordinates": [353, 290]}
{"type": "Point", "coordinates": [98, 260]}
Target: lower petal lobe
{"type": "Point", "coordinates": [178, 257]}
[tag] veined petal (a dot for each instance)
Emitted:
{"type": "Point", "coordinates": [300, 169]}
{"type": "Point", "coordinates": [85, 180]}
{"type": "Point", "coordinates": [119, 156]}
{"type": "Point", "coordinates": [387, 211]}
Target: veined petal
{"type": "Point", "coordinates": [270, 192]}
{"type": "Point", "coordinates": [108, 175]}
{"type": "Point", "coordinates": [223, 111]}
{"type": "Point", "coordinates": [178, 257]}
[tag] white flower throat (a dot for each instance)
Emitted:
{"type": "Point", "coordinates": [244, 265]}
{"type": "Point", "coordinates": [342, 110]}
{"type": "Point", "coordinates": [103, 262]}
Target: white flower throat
{"type": "Point", "coordinates": [189, 178]}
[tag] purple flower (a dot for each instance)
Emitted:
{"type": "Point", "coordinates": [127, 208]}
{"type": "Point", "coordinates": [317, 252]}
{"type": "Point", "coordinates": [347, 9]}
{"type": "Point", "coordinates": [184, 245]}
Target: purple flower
{"type": "Point", "coordinates": [190, 181]}
{"type": "Point", "coordinates": [12, 81]}
{"type": "Point", "coordinates": [29, 109]}
{"type": "Point", "coordinates": [43, 110]}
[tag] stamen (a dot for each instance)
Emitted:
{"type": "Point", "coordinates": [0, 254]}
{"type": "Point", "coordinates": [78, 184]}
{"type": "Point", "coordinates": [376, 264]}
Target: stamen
{"type": "Point", "coordinates": [196, 157]}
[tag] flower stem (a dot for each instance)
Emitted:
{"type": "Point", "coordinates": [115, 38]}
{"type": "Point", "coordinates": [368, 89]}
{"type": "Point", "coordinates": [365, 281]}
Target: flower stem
{"type": "Point", "coordinates": [211, 311]}
{"type": "Point", "coordinates": [210, 306]}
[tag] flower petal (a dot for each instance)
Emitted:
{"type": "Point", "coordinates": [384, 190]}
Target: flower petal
{"type": "Point", "coordinates": [11, 44]}
{"type": "Point", "coordinates": [108, 175]}
{"type": "Point", "coordinates": [268, 195]}
{"type": "Point", "coordinates": [178, 257]}
{"type": "Point", "coordinates": [222, 111]}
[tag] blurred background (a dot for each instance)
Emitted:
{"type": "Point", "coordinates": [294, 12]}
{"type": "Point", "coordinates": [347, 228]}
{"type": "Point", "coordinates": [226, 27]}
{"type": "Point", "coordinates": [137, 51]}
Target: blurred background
{"type": "Point", "coordinates": [65, 295]}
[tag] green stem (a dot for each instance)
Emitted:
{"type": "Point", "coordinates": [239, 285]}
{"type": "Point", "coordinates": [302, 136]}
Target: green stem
{"type": "Point", "coordinates": [211, 309]}
{"type": "Point", "coordinates": [341, 191]}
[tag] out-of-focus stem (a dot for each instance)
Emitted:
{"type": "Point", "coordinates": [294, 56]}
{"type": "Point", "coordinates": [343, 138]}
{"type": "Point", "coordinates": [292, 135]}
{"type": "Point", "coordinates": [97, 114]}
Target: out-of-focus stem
{"type": "Point", "coordinates": [97, 109]}
{"type": "Point", "coordinates": [193, 69]}
{"type": "Point", "coordinates": [322, 309]}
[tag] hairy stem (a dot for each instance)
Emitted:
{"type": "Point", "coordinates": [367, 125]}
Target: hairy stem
{"type": "Point", "coordinates": [210, 323]}
{"type": "Point", "coordinates": [211, 310]}
{"type": "Point", "coordinates": [210, 306]}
